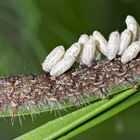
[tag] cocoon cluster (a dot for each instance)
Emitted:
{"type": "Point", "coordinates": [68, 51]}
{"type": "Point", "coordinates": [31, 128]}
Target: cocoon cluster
{"type": "Point", "coordinates": [89, 48]}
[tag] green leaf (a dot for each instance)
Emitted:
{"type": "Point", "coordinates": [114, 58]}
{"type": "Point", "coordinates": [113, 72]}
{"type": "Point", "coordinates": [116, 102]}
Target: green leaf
{"type": "Point", "coordinates": [60, 126]}
{"type": "Point", "coordinates": [104, 116]}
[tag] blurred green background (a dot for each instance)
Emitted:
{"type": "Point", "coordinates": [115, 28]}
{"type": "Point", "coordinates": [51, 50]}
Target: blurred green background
{"type": "Point", "coordinates": [29, 30]}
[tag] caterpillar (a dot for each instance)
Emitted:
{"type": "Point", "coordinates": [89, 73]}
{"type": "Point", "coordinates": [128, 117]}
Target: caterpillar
{"type": "Point", "coordinates": [35, 91]}
{"type": "Point", "coordinates": [89, 48]}
{"type": "Point", "coordinates": [66, 84]}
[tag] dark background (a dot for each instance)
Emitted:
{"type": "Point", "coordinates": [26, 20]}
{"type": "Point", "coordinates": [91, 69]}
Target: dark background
{"type": "Point", "coordinates": [29, 30]}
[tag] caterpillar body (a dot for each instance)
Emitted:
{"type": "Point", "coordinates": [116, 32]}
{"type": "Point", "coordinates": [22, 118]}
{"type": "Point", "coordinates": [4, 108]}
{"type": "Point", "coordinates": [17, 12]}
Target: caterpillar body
{"type": "Point", "coordinates": [34, 91]}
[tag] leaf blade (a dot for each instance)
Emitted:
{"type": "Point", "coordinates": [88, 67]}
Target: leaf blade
{"type": "Point", "coordinates": [110, 113]}
{"type": "Point", "coordinates": [62, 125]}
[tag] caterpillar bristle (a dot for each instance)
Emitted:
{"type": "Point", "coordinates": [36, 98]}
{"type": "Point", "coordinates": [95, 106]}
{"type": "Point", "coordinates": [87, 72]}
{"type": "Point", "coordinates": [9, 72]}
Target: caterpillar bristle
{"type": "Point", "coordinates": [31, 93]}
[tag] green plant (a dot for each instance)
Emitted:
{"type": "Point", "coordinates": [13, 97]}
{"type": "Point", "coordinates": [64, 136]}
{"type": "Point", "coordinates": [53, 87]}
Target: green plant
{"type": "Point", "coordinates": [32, 27]}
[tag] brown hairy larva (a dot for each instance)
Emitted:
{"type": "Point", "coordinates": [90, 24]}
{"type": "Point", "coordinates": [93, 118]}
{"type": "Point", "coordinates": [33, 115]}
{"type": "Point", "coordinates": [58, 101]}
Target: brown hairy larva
{"type": "Point", "coordinates": [42, 90]}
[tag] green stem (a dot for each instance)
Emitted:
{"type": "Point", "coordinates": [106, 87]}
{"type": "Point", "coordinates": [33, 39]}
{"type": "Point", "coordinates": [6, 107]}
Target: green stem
{"type": "Point", "coordinates": [108, 114]}
{"type": "Point", "coordinates": [60, 126]}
